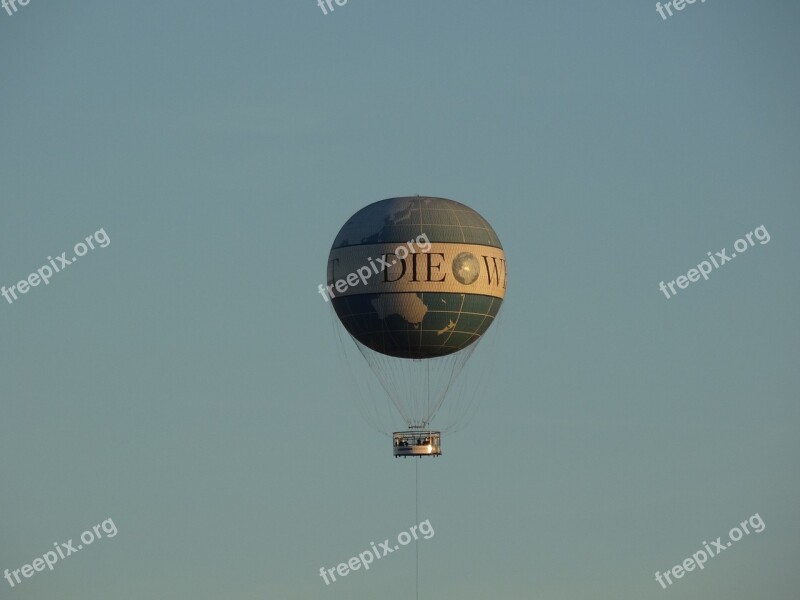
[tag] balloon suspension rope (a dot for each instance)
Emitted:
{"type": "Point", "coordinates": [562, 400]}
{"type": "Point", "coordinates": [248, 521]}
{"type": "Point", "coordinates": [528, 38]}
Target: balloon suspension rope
{"type": "Point", "coordinates": [416, 515]}
{"type": "Point", "coordinates": [416, 475]}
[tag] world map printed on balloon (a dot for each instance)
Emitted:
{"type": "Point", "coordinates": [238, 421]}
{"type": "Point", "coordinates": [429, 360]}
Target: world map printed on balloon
{"type": "Point", "coordinates": [437, 296]}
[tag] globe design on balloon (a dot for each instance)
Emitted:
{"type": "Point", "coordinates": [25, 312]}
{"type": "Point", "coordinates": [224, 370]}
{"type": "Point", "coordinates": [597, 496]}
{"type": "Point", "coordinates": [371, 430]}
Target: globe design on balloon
{"type": "Point", "coordinates": [436, 298]}
{"type": "Point", "coordinates": [466, 268]}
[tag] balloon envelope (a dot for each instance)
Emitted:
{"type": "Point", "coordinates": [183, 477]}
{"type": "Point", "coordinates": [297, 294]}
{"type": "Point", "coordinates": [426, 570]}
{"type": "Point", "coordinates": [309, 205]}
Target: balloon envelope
{"type": "Point", "coordinates": [416, 277]}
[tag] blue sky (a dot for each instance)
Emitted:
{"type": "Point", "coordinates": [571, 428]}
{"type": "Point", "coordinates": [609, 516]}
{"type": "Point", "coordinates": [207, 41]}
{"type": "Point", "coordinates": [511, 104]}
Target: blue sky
{"type": "Point", "coordinates": [182, 382]}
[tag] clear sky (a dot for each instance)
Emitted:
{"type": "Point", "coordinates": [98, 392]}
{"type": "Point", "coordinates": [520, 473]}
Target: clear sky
{"type": "Point", "coordinates": [181, 381]}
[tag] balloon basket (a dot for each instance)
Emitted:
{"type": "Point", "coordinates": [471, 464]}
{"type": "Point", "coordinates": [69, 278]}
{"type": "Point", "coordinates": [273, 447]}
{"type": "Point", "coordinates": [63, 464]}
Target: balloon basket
{"type": "Point", "coordinates": [417, 443]}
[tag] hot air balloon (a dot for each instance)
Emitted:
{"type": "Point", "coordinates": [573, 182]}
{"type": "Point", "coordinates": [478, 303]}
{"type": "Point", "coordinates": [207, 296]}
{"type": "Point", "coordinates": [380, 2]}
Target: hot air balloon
{"type": "Point", "coordinates": [416, 282]}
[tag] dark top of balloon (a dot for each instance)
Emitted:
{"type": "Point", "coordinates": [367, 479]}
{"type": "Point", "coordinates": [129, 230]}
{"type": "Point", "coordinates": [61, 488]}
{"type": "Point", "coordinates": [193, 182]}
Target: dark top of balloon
{"type": "Point", "coordinates": [403, 218]}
